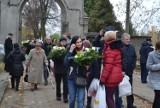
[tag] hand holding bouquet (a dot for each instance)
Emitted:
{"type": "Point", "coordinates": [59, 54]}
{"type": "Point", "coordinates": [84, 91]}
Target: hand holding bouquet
{"type": "Point", "coordinates": [87, 57]}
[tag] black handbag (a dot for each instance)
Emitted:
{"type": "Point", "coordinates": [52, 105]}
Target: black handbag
{"type": "Point", "coordinates": [80, 80]}
{"type": "Point", "coordinates": [26, 78]}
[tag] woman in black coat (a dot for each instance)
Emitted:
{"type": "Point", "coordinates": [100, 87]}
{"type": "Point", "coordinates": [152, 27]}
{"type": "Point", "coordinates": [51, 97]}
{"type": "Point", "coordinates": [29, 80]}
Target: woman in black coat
{"type": "Point", "coordinates": [15, 58]}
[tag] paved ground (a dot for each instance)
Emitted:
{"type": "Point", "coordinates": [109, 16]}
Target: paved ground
{"type": "Point", "coordinates": [142, 90]}
{"type": "Point", "coordinates": [45, 97]}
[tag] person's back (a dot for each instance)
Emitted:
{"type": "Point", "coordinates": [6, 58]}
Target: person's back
{"type": "Point", "coordinates": [8, 47]}
{"type": "Point", "coordinates": [15, 58]}
{"type": "Point", "coordinates": [144, 51]}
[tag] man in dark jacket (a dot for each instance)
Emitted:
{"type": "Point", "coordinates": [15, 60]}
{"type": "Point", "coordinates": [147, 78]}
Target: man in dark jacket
{"type": "Point", "coordinates": [8, 47]}
{"type": "Point", "coordinates": [144, 51]}
{"type": "Point", "coordinates": [131, 57]}
{"type": "Point", "coordinates": [99, 41]}
{"type": "Point", "coordinates": [47, 46]}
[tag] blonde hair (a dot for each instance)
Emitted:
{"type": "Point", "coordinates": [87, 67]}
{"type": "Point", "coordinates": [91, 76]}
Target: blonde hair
{"type": "Point", "coordinates": [109, 36]}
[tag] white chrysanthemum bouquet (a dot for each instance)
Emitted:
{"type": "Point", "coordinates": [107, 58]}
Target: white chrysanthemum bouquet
{"type": "Point", "coordinates": [58, 52]}
{"type": "Point", "coordinates": [87, 57]}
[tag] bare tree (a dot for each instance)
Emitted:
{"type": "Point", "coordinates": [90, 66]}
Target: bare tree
{"type": "Point", "coordinates": [140, 15]}
{"type": "Point", "coordinates": [38, 13]}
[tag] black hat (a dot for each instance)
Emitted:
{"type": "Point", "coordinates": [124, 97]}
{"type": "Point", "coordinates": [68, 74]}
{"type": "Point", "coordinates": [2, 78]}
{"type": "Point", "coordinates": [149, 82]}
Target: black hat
{"type": "Point", "coordinates": [10, 34]}
{"type": "Point", "coordinates": [62, 39]}
{"type": "Point", "coordinates": [148, 39]}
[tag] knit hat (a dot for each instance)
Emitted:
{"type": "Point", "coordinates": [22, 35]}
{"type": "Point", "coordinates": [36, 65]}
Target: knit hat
{"type": "Point", "coordinates": [10, 34]}
{"type": "Point", "coordinates": [62, 39]}
{"type": "Point", "coordinates": [87, 44]}
{"type": "Point", "coordinates": [16, 45]}
{"type": "Point", "coordinates": [148, 39]}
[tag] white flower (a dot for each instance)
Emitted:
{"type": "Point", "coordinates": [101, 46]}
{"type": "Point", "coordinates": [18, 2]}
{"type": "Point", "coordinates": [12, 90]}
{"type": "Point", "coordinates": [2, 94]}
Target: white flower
{"type": "Point", "coordinates": [60, 48]}
{"type": "Point", "coordinates": [87, 49]}
{"type": "Point", "coordinates": [63, 47]}
{"type": "Point", "coordinates": [93, 48]}
{"type": "Point", "coordinates": [55, 47]}
{"type": "Point", "coordinates": [76, 56]}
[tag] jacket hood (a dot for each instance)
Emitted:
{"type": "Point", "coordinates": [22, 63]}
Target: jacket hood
{"type": "Point", "coordinates": [118, 44]}
{"type": "Point", "coordinates": [16, 51]}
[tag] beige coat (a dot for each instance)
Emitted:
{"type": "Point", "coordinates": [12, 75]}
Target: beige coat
{"type": "Point", "coordinates": [35, 62]}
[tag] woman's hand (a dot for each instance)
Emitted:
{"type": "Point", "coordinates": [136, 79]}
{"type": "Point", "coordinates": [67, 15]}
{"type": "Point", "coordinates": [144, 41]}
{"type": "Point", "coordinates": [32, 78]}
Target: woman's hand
{"type": "Point", "coordinates": [73, 46]}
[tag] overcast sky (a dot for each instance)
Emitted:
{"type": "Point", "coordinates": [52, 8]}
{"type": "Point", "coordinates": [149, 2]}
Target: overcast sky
{"type": "Point", "coordinates": [149, 4]}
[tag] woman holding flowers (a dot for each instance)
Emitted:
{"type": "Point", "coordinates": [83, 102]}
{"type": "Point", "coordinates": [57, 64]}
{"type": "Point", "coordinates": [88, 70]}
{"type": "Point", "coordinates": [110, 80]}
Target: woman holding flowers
{"type": "Point", "coordinates": [60, 71]}
{"type": "Point", "coordinates": [112, 66]}
{"type": "Point", "coordinates": [75, 92]}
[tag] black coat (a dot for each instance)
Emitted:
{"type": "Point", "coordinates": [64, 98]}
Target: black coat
{"type": "Point", "coordinates": [94, 71]}
{"type": "Point", "coordinates": [15, 58]}
{"type": "Point", "coordinates": [144, 51]}
{"type": "Point", "coordinates": [47, 48]}
{"type": "Point", "coordinates": [59, 67]}
{"type": "Point", "coordinates": [97, 42]}
{"type": "Point", "coordinates": [131, 57]}
{"type": "Point", "coordinates": [8, 47]}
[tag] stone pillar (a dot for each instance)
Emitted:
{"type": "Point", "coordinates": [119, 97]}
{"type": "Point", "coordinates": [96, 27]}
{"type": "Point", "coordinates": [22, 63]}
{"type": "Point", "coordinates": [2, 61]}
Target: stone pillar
{"type": "Point", "coordinates": [9, 19]}
{"type": "Point", "coordinates": [75, 10]}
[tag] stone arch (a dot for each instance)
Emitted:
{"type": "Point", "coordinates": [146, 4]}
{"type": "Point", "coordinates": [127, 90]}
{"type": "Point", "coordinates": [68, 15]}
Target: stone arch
{"type": "Point", "coordinates": [64, 23]}
{"type": "Point", "coordinates": [72, 18]}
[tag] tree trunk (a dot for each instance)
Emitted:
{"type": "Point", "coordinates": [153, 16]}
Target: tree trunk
{"type": "Point", "coordinates": [43, 30]}
{"type": "Point", "coordinates": [127, 16]}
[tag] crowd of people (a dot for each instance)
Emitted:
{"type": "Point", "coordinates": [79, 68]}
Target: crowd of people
{"type": "Point", "coordinates": [118, 59]}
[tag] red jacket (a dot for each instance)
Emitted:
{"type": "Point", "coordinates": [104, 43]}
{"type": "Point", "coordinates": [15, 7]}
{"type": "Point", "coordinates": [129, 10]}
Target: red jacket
{"type": "Point", "coordinates": [112, 65]}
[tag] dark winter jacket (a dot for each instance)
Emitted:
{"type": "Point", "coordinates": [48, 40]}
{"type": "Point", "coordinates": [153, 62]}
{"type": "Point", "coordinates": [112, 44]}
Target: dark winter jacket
{"type": "Point", "coordinates": [131, 57]}
{"type": "Point", "coordinates": [97, 42]}
{"type": "Point", "coordinates": [8, 46]}
{"type": "Point", "coordinates": [112, 64]}
{"type": "Point", "coordinates": [47, 48]}
{"type": "Point", "coordinates": [144, 51]}
{"type": "Point", "coordinates": [29, 47]}
{"type": "Point", "coordinates": [73, 68]}
{"type": "Point", "coordinates": [94, 70]}
{"type": "Point", "coordinates": [59, 67]}
{"type": "Point", "coordinates": [15, 58]}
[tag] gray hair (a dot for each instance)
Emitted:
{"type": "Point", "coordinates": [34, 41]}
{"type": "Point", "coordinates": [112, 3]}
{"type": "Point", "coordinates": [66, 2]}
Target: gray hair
{"type": "Point", "coordinates": [125, 34]}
